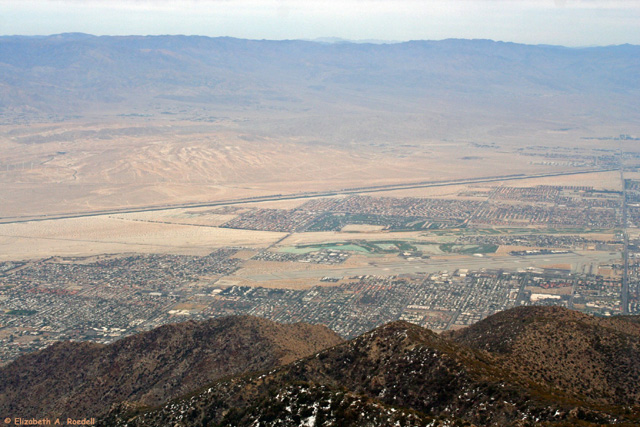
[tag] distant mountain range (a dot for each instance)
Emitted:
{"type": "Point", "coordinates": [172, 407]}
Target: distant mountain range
{"type": "Point", "coordinates": [525, 366]}
{"type": "Point", "coordinates": [71, 75]}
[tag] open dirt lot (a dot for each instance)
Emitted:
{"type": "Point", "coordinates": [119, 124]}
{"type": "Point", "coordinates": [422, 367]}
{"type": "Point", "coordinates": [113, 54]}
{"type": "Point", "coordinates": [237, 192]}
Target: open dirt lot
{"type": "Point", "coordinates": [103, 234]}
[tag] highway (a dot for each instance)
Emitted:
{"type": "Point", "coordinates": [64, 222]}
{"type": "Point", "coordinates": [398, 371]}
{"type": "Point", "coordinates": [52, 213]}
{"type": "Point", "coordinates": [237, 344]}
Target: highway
{"type": "Point", "coordinates": [293, 196]}
{"type": "Point", "coordinates": [624, 298]}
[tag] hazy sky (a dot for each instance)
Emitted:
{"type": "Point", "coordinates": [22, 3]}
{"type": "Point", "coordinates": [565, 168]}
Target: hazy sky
{"type": "Point", "coordinates": [564, 22]}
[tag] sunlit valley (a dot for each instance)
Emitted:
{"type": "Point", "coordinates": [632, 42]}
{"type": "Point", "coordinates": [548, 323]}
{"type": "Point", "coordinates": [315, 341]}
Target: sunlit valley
{"type": "Point", "coordinates": [150, 181]}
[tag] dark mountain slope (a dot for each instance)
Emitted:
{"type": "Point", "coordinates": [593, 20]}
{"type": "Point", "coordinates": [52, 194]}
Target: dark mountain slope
{"type": "Point", "coordinates": [75, 379]}
{"type": "Point", "coordinates": [596, 358]}
{"type": "Point", "coordinates": [401, 373]}
{"type": "Point", "coordinates": [526, 366]}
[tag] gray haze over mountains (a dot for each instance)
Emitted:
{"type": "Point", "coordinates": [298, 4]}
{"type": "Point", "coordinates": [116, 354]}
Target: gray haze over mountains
{"type": "Point", "coordinates": [65, 75]}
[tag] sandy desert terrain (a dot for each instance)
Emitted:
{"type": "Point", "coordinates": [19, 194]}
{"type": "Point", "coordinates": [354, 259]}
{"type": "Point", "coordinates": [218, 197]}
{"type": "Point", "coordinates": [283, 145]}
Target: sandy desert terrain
{"type": "Point", "coordinates": [83, 167]}
{"type": "Point", "coordinates": [105, 234]}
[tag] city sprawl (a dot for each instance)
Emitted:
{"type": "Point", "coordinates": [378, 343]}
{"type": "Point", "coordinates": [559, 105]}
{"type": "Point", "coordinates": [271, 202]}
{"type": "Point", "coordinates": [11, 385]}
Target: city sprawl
{"type": "Point", "coordinates": [350, 262]}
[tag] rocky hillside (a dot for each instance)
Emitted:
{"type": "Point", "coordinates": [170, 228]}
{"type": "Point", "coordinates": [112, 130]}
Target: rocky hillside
{"type": "Point", "coordinates": [73, 379]}
{"type": "Point", "coordinates": [588, 357]}
{"type": "Point", "coordinates": [402, 374]}
{"type": "Point", "coordinates": [526, 366]}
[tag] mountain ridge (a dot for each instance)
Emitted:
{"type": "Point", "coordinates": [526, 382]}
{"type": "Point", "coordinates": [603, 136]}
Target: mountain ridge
{"type": "Point", "coordinates": [149, 368]}
{"type": "Point", "coordinates": [77, 73]}
{"type": "Point", "coordinates": [398, 371]}
{"type": "Point", "coordinates": [524, 366]}
{"type": "Point", "coordinates": [586, 359]}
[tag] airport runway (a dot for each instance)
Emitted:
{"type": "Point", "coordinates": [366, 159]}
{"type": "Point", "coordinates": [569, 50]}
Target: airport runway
{"type": "Point", "coordinates": [581, 262]}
